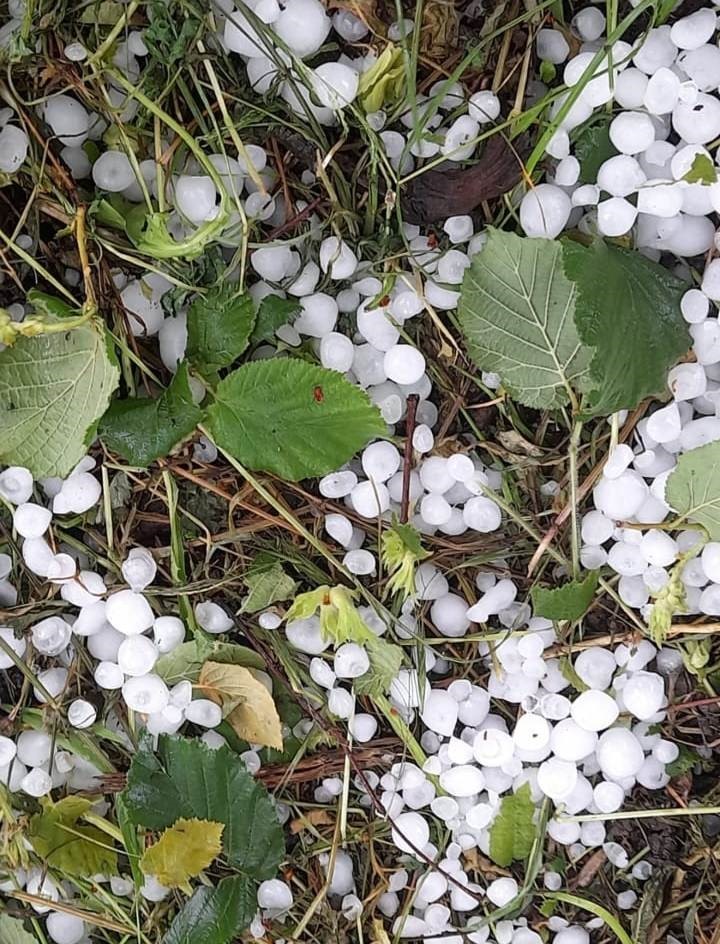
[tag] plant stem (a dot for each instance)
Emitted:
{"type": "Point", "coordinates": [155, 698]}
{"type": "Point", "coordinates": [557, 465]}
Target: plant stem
{"type": "Point", "coordinates": [574, 529]}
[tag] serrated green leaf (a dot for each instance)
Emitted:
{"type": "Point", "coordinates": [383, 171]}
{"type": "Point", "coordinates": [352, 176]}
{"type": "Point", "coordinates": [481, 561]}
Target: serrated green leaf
{"type": "Point", "coordinates": [291, 418]}
{"type": "Point", "coordinates": [186, 779]}
{"type": "Point", "coordinates": [182, 852]}
{"type": "Point", "coordinates": [385, 661]}
{"type": "Point", "coordinates": [273, 312]}
{"type": "Point", "coordinates": [568, 602]}
{"type": "Point", "coordinates": [513, 830]}
{"type": "Point", "coordinates": [186, 660]}
{"type": "Point", "coordinates": [266, 585]}
{"type": "Point", "coordinates": [516, 312]}
{"type": "Point", "coordinates": [693, 488]}
{"type": "Point", "coordinates": [684, 762]}
{"type": "Point", "coordinates": [53, 390]}
{"type": "Point", "coordinates": [702, 171]}
{"type": "Point", "coordinates": [13, 932]}
{"type": "Point", "coordinates": [57, 836]}
{"type": "Point", "coordinates": [141, 429]}
{"type": "Point", "coordinates": [628, 310]}
{"type": "Point", "coordinates": [219, 325]}
{"type": "Point", "coordinates": [215, 915]}
{"type": "Point", "coordinates": [593, 147]}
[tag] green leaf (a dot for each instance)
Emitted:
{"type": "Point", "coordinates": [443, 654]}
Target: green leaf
{"type": "Point", "coordinates": [607, 916]}
{"type": "Point", "coordinates": [186, 779]}
{"type": "Point", "coordinates": [385, 662]}
{"type": "Point", "coordinates": [702, 171]}
{"type": "Point", "coordinates": [182, 852]}
{"type": "Point", "coordinates": [593, 147]}
{"type": "Point", "coordinates": [53, 390]}
{"type": "Point", "coordinates": [13, 932]}
{"type": "Point", "coordinates": [67, 845]}
{"type": "Point", "coordinates": [267, 584]}
{"type": "Point", "coordinates": [50, 306]}
{"type": "Point", "coordinates": [219, 325]}
{"type": "Point", "coordinates": [516, 311]}
{"type": "Point", "coordinates": [568, 602]}
{"type": "Point", "coordinates": [186, 660]}
{"type": "Point", "coordinates": [684, 762]}
{"type": "Point", "coordinates": [215, 915]}
{"type": "Point", "coordinates": [141, 429]}
{"type": "Point", "coordinates": [628, 310]}
{"type": "Point", "coordinates": [513, 830]}
{"type": "Point", "coordinates": [567, 670]}
{"type": "Point", "coordinates": [693, 488]}
{"type": "Point", "coordinates": [272, 314]}
{"type": "Point", "coordinates": [291, 418]}
{"type": "Point", "coordinates": [155, 240]}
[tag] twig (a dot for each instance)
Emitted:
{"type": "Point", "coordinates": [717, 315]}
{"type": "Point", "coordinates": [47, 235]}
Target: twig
{"type": "Point", "coordinates": [412, 405]}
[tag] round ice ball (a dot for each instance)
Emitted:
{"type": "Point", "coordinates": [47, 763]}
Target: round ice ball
{"type": "Point", "coordinates": [544, 211]}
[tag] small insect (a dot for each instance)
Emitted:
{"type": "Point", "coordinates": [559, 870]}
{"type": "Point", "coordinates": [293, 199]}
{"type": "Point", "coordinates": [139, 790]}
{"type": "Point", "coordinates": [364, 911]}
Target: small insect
{"type": "Point", "coordinates": [318, 394]}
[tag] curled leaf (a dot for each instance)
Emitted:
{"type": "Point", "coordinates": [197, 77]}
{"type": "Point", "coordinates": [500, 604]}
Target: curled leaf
{"type": "Point", "coordinates": [247, 704]}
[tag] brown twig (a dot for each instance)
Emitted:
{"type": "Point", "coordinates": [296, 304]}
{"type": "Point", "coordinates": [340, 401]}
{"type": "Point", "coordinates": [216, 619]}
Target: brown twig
{"type": "Point", "coordinates": [412, 405]}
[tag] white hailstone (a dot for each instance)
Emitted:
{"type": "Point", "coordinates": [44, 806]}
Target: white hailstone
{"type": "Point", "coordinates": [305, 635]}
{"type": "Point", "coordinates": [337, 484]}
{"type": "Point", "coordinates": [152, 890]}
{"type": "Point", "coordinates": [482, 514]}
{"type": "Point", "coordinates": [145, 313]}
{"type": "Point", "coordinates": [336, 352]}
{"type": "Point", "coordinates": [341, 703]}
{"type": "Point", "coordinates": [662, 92]}
{"type": "Point", "coordinates": [31, 520]}
{"type": "Point", "coordinates": [439, 712]}
{"type": "Point", "coordinates": [213, 618]}
{"type": "Point", "coordinates": [337, 258]}
{"type": "Point", "coordinates": [339, 528]}
{"type": "Point", "coordinates": [632, 132]}
{"type": "Point", "coordinates": [113, 172]}
{"type": "Point", "coordinates": [321, 673]}
{"type": "Point", "coordinates": [380, 460]}
{"type": "Point", "coordinates": [351, 661]}
{"type": "Point", "coordinates": [484, 107]}
{"type": "Point", "coordinates": [318, 316]}
{"type": "Point", "coordinates": [272, 262]}
{"type": "Point", "coordinates": [14, 144]}
{"type": "Point", "coordinates": [363, 727]}
{"type": "Point", "coordinates": [16, 485]}
{"type": "Point", "coordinates": [619, 754]}
{"type": "Point", "coordinates": [137, 655]}
{"type": "Point", "coordinates": [697, 123]}
{"type": "Point", "coordinates": [423, 439]}
{"type": "Point", "coordinates": [459, 229]}
{"type": "Point", "coordinates": [195, 197]}
{"type": "Point", "coordinates": [551, 46]}
{"type": "Point", "coordinates": [531, 732]}
{"type": "Point", "coordinates": [501, 891]}
{"type": "Point", "coordinates": [370, 499]}
{"type": "Point", "coordinates": [34, 748]}
{"type": "Point", "coordinates": [139, 568]}
{"type": "Point", "coordinates": [81, 714]}
{"type": "Point", "coordinates": [594, 710]}
{"type": "Point", "coordinates": [303, 25]}
{"type": "Point", "coordinates": [51, 636]}
{"type": "Point", "coordinates": [586, 195]}
{"type": "Point", "coordinates": [710, 559]}
{"type": "Point", "coordinates": [556, 778]}
{"type": "Point", "coordinates": [350, 27]}
{"type": "Point", "coordinates": [643, 694]}
{"type": "Point", "coordinates": [430, 583]}
{"type": "Point", "coordinates": [615, 216]}
{"type": "Point", "coordinates": [570, 742]}
{"type": "Point", "coordinates": [128, 612]}
{"type": "Point", "coordinates": [460, 139]}
{"type": "Point", "coordinates": [620, 175]}
{"type": "Point", "coordinates": [694, 306]}
{"type": "Point", "coordinates": [64, 928]}
{"type": "Point", "coordinates": [145, 693]}
{"type": "Point", "coordinates": [203, 712]}
{"type": "Point", "coordinates": [622, 497]}
{"type": "Point", "coordinates": [449, 615]}
{"type": "Point", "coordinates": [8, 750]}
{"type": "Point", "coordinates": [630, 86]}
{"type": "Point", "coordinates": [544, 211]}
{"type": "Point", "coordinates": [491, 747]}
{"type": "Point", "coordinates": [68, 119]}
{"type": "Point", "coordinates": [275, 896]}
{"type": "Point", "coordinates": [168, 633]}
{"type": "Point", "coordinates": [588, 24]}
{"type": "Point", "coordinates": [17, 645]}
{"type": "Point", "coordinates": [109, 675]}
{"type": "Point", "coordinates": [53, 682]}
{"type": "Point", "coordinates": [78, 493]}
{"type": "Point", "coordinates": [335, 85]}
{"type": "Point", "coordinates": [567, 171]}
{"type": "Point", "coordinates": [360, 562]}
{"type": "Point", "coordinates": [410, 833]}
{"type": "Point", "coordinates": [36, 783]}
{"type": "Point", "coordinates": [404, 364]}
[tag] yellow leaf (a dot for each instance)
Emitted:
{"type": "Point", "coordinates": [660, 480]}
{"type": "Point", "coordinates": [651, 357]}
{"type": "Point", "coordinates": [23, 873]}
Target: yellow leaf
{"type": "Point", "coordinates": [248, 705]}
{"type": "Point", "coordinates": [183, 851]}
